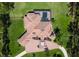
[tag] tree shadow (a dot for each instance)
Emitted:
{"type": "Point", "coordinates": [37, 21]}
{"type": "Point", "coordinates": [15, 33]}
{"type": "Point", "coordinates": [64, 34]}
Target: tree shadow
{"type": "Point", "coordinates": [33, 54]}
{"type": "Point", "coordinates": [47, 52]}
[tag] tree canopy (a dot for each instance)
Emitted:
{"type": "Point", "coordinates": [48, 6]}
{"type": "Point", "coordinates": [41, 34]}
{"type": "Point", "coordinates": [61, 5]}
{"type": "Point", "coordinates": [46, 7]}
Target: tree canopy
{"type": "Point", "coordinates": [6, 7]}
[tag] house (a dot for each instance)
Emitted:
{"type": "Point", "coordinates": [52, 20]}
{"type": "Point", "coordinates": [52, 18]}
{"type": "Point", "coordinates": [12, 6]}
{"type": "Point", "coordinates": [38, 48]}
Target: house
{"type": "Point", "coordinates": [39, 29]}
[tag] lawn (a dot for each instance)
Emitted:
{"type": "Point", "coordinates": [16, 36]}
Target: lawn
{"type": "Point", "coordinates": [15, 30]}
{"type": "Point", "coordinates": [59, 11]}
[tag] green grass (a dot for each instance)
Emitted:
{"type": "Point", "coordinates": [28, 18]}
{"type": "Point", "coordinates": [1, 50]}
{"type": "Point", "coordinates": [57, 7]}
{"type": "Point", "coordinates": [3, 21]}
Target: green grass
{"type": "Point", "coordinates": [15, 30]}
{"type": "Point", "coordinates": [59, 11]}
{"type": "Point", "coordinates": [45, 54]}
{"type": "Point", "coordinates": [22, 8]}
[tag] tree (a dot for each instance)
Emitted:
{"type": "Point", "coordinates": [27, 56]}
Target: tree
{"type": "Point", "coordinates": [57, 31]}
{"type": "Point", "coordinates": [73, 28]}
{"type": "Point", "coordinates": [58, 36]}
{"type": "Point", "coordinates": [5, 9]}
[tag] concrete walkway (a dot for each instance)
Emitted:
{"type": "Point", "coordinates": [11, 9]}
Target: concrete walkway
{"type": "Point", "coordinates": [21, 54]}
{"type": "Point", "coordinates": [64, 51]}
